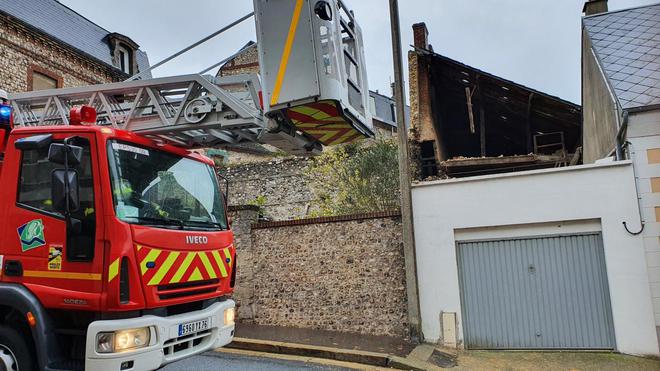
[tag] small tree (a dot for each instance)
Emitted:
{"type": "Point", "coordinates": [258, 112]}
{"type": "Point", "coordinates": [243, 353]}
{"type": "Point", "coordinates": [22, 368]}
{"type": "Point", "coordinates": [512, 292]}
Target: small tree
{"type": "Point", "coordinates": [354, 178]}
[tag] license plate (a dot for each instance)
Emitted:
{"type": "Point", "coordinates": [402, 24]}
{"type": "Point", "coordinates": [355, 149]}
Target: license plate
{"type": "Point", "coordinates": [192, 327]}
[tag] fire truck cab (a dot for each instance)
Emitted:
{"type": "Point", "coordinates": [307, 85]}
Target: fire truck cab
{"type": "Point", "coordinates": [115, 251]}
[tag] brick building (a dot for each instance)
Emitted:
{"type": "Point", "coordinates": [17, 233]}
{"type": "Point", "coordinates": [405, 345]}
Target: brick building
{"type": "Point", "coordinates": [44, 45]}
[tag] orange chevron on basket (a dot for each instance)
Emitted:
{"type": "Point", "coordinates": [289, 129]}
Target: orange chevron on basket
{"type": "Point", "coordinates": [323, 121]}
{"type": "Point", "coordinates": [170, 267]}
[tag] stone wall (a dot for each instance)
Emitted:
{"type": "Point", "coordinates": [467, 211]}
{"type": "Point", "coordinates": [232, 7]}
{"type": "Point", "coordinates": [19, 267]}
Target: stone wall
{"type": "Point", "coordinates": [245, 62]}
{"type": "Point", "coordinates": [342, 274]}
{"type": "Point", "coordinates": [280, 181]}
{"type": "Point", "coordinates": [23, 50]}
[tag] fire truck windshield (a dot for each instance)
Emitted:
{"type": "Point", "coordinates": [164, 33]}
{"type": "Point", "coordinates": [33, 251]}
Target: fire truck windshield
{"type": "Point", "coordinates": [154, 187]}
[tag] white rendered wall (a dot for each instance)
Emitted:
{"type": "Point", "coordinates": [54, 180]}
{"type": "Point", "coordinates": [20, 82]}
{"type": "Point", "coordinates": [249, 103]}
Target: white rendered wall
{"type": "Point", "coordinates": [541, 202]}
{"type": "Point", "coordinates": [644, 138]}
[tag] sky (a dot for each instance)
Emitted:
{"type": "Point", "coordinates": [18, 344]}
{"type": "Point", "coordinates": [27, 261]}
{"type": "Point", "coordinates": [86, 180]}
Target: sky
{"type": "Point", "coordinates": [532, 42]}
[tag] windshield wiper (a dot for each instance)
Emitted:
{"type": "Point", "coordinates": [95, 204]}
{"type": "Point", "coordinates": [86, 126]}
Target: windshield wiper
{"type": "Point", "coordinates": [162, 221]}
{"type": "Point", "coordinates": [206, 223]}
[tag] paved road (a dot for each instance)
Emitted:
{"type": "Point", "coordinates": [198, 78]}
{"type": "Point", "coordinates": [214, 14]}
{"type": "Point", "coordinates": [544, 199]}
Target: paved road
{"type": "Point", "coordinates": [223, 361]}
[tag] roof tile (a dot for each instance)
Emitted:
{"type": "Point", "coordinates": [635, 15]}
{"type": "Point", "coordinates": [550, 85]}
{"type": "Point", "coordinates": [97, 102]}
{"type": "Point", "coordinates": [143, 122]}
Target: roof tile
{"type": "Point", "coordinates": [64, 24]}
{"type": "Point", "coordinates": [627, 43]}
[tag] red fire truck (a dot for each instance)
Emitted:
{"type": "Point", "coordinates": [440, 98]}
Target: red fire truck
{"type": "Point", "coordinates": [116, 251]}
{"type": "Point", "coordinates": [115, 248]}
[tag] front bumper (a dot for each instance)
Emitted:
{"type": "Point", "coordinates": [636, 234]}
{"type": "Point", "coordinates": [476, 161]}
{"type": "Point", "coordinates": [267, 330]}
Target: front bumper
{"type": "Point", "coordinates": [165, 345]}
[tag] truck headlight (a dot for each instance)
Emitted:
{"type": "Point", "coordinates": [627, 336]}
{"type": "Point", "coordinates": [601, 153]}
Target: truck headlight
{"type": "Point", "coordinates": [123, 340]}
{"type": "Point", "coordinates": [230, 315]}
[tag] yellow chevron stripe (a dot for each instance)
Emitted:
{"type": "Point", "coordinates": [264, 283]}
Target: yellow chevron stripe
{"type": "Point", "coordinates": [345, 137]}
{"type": "Point", "coordinates": [228, 256]}
{"type": "Point", "coordinates": [152, 256]}
{"type": "Point", "coordinates": [113, 270]}
{"type": "Point", "coordinates": [207, 265]}
{"type": "Point", "coordinates": [287, 52]}
{"type": "Point", "coordinates": [329, 125]}
{"type": "Point", "coordinates": [196, 275]}
{"type": "Point", "coordinates": [312, 112]}
{"type": "Point", "coordinates": [183, 267]}
{"type": "Point", "coordinates": [324, 135]}
{"type": "Point", "coordinates": [221, 265]}
{"type": "Point", "coordinates": [164, 269]}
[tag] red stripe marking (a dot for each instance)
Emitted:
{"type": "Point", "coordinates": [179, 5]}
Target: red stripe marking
{"type": "Point", "coordinates": [148, 275]}
{"type": "Point", "coordinates": [175, 267]}
{"type": "Point", "coordinates": [349, 139]}
{"type": "Point", "coordinates": [214, 264]}
{"type": "Point", "coordinates": [142, 253]}
{"type": "Point", "coordinates": [310, 120]}
{"type": "Point", "coordinates": [327, 108]}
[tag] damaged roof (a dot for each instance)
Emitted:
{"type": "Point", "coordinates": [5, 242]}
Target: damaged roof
{"type": "Point", "coordinates": [627, 45]}
{"type": "Point", "coordinates": [68, 27]}
{"type": "Point", "coordinates": [513, 115]}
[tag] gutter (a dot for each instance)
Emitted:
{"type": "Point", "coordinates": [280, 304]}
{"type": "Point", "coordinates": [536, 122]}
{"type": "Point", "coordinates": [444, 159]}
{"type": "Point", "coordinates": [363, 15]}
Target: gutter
{"type": "Point", "coordinates": [621, 142]}
{"type": "Point", "coordinates": [620, 137]}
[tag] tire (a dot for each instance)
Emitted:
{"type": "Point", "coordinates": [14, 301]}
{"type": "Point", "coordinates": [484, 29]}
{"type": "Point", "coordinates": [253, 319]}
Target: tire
{"type": "Point", "coordinates": [15, 351]}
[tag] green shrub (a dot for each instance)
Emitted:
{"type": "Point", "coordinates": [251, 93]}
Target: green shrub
{"type": "Point", "coordinates": [355, 178]}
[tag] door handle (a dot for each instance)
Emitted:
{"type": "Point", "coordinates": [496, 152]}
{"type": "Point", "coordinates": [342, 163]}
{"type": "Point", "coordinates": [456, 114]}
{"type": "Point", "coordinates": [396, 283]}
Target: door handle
{"type": "Point", "coordinates": [13, 268]}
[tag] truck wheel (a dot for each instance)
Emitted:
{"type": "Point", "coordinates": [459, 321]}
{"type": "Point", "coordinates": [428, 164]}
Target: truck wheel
{"type": "Point", "coordinates": [14, 351]}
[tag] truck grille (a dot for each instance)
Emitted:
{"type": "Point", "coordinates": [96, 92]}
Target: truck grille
{"type": "Point", "coordinates": [174, 348]}
{"type": "Point", "coordinates": [179, 290]}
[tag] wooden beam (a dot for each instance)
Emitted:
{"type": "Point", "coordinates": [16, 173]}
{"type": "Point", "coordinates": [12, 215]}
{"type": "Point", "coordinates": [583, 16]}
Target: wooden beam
{"type": "Point", "coordinates": [468, 98]}
{"type": "Point", "coordinates": [482, 119]}
{"type": "Point", "coordinates": [528, 124]}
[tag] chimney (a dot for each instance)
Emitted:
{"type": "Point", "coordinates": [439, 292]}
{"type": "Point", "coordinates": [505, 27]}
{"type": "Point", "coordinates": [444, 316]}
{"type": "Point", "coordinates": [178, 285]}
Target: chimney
{"type": "Point", "coordinates": [592, 7]}
{"type": "Point", "coordinates": [421, 35]}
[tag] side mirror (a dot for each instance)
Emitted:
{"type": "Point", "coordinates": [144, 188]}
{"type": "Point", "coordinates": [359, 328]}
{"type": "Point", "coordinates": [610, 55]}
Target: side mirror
{"type": "Point", "coordinates": [58, 152]}
{"type": "Point", "coordinates": [33, 142]}
{"type": "Point", "coordinates": [61, 180]}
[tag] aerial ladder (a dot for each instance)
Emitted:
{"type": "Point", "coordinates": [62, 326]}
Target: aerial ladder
{"type": "Point", "coordinates": [311, 92]}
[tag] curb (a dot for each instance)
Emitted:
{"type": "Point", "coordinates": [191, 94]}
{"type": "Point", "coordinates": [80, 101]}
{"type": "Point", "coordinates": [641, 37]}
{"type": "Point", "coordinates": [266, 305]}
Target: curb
{"type": "Point", "coordinates": [344, 355]}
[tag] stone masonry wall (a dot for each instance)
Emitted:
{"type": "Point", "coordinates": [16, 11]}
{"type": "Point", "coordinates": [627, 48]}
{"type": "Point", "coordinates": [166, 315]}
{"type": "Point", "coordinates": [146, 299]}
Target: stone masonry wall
{"type": "Point", "coordinates": [342, 274]}
{"type": "Point", "coordinates": [246, 62]}
{"type": "Point", "coordinates": [22, 50]}
{"type": "Point", "coordinates": [280, 180]}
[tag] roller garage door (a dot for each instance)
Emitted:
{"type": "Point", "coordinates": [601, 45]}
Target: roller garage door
{"type": "Point", "coordinates": [548, 292]}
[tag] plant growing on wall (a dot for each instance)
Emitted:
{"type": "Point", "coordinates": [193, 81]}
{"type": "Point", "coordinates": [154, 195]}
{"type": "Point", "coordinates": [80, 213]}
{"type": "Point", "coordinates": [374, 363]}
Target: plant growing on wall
{"type": "Point", "coordinates": [260, 201]}
{"type": "Point", "coordinates": [355, 178]}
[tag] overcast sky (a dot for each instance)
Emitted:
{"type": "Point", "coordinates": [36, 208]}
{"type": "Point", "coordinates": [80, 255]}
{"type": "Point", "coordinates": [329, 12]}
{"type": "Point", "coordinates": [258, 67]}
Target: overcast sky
{"type": "Point", "coordinates": [532, 42]}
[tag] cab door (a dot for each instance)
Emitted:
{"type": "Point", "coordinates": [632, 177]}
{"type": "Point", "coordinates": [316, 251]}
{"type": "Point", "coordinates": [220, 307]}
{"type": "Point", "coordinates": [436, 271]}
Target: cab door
{"type": "Point", "coordinates": [63, 266]}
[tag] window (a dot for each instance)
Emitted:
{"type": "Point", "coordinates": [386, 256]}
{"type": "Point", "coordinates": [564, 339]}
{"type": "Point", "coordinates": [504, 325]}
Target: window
{"type": "Point", "coordinates": [35, 193]}
{"type": "Point", "coordinates": [34, 190]}
{"type": "Point", "coordinates": [429, 164]}
{"type": "Point", "coordinates": [158, 188]}
{"type": "Point", "coordinates": [124, 59]}
{"type": "Point", "coordinates": [39, 78]}
{"type": "Point", "coordinates": [372, 105]}
{"type": "Point", "coordinates": [42, 82]}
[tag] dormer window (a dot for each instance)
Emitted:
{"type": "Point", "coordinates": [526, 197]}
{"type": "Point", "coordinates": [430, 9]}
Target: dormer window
{"type": "Point", "coordinates": [123, 53]}
{"type": "Point", "coordinates": [124, 57]}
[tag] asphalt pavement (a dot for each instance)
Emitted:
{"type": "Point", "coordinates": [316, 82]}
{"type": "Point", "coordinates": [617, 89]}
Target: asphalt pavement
{"type": "Point", "coordinates": [222, 361]}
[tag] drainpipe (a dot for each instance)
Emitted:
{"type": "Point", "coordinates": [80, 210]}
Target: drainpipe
{"type": "Point", "coordinates": [620, 144]}
{"type": "Point", "coordinates": [620, 137]}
